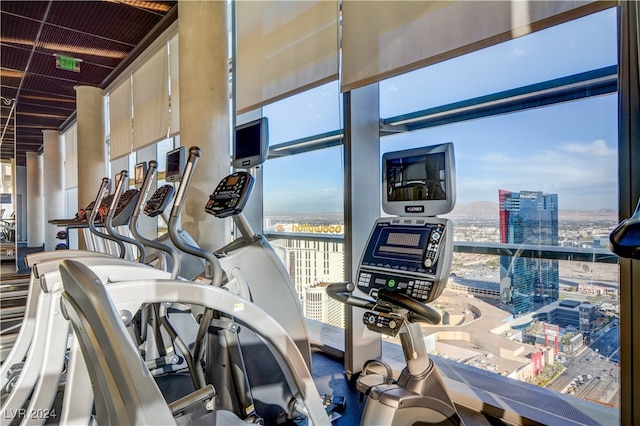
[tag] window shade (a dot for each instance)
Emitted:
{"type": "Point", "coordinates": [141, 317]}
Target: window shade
{"type": "Point", "coordinates": [284, 47]}
{"type": "Point", "coordinates": [71, 157]}
{"type": "Point", "coordinates": [151, 100]}
{"type": "Point", "coordinates": [174, 75]}
{"type": "Point", "coordinates": [381, 39]}
{"type": "Point", "coordinates": [120, 120]}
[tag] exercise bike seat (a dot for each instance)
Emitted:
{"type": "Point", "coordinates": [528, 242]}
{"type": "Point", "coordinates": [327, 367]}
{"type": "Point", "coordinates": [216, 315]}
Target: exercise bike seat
{"type": "Point", "coordinates": [124, 390]}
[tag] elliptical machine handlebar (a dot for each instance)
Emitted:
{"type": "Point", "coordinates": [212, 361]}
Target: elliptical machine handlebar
{"type": "Point", "coordinates": [212, 270]}
{"type": "Point", "coordinates": [94, 213]}
{"type": "Point", "coordinates": [108, 221]}
{"type": "Point", "coordinates": [133, 225]}
{"type": "Point", "coordinates": [194, 154]}
{"type": "Point", "coordinates": [144, 191]}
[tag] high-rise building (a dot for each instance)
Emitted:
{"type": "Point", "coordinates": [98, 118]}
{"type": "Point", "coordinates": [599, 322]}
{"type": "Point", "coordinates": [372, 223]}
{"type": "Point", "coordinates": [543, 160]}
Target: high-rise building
{"type": "Point", "coordinates": [528, 218]}
{"type": "Point", "coordinates": [320, 307]}
{"type": "Point", "coordinates": [310, 262]}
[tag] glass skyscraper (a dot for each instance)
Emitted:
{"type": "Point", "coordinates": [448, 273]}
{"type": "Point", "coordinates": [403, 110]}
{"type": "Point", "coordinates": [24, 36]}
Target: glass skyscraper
{"type": "Point", "coordinates": [528, 218]}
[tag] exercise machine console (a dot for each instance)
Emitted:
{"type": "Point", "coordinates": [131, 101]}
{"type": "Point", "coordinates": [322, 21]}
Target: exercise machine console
{"type": "Point", "coordinates": [230, 196]}
{"type": "Point", "coordinates": [159, 201]}
{"type": "Point", "coordinates": [407, 255]}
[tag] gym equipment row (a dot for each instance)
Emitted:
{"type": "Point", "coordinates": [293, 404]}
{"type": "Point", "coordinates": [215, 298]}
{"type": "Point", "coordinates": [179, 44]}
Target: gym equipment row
{"type": "Point", "coordinates": [233, 338]}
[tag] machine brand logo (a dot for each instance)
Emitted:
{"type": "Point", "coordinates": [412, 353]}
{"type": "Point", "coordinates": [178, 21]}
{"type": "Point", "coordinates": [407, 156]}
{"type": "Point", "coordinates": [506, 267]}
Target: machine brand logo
{"type": "Point", "coordinates": [246, 162]}
{"type": "Point", "coordinates": [414, 209]}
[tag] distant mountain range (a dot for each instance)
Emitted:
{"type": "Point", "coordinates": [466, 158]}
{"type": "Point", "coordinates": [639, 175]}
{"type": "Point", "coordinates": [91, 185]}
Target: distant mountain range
{"type": "Point", "coordinates": [489, 211]}
{"type": "Point", "coordinates": [484, 211]}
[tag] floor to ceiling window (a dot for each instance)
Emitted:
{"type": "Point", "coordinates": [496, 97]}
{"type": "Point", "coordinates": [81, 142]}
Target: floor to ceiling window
{"type": "Point", "coordinates": [536, 162]}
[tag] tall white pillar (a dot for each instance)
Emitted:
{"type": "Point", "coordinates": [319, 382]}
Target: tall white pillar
{"type": "Point", "coordinates": [53, 185]}
{"type": "Point", "coordinates": [92, 149]}
{"type": "Point", "coordinates": [204, 111]}
{"type": "Point", "coordinates": [35, 211]}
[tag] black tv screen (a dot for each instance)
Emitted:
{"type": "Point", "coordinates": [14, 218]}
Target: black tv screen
{"type": "Point", "coordinates": [175, 164]}
{"type": "Point", "coordinates": [251, 143]}
{"type": "Point", "coordinates": [139, 172]}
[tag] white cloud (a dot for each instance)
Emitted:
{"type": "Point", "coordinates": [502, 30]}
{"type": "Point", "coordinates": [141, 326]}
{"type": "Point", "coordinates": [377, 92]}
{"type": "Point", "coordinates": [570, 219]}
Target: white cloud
{"type": "Point", "coordinates": [596, 148]}
{"type": "Point", "coordinates": [517, 52]}
{"type": "Point", "coordinates": [584, 175]}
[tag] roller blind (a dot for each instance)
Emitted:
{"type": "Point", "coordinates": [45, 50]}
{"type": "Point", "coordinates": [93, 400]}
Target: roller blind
{"type": "Point", "coordinates": [174, 75]}
{"type": "Point", "coordinates": [71, 157]}
{"type": "Point", "coordinates": [120, 120]}
{"type": "Point", "coordinates": [381, 39]}
{"type": "Point", "coordinates": [151, 100]}
{"type": "Point", "coordinates": [284, 47]}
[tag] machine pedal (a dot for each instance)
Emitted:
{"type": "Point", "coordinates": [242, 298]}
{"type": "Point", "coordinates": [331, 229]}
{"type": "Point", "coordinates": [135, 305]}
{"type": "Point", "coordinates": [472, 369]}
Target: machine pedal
{"type": "Point", "coordinates": [374, 372]}
{"type": "Point", "coordinates": [334, 405]}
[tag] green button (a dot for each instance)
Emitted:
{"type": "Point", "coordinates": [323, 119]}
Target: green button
{"type": "Point", "coordinates": [391, 283]}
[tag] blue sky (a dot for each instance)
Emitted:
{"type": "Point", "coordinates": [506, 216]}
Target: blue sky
{"type": "Point", "coordinates": [569, 149]}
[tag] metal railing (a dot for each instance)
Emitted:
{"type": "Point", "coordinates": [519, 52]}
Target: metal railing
{"type": "Point", "coordinates": [583, 254]}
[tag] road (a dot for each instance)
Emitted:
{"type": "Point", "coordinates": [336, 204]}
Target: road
{"type": "Point", "coordinates": [593, 372]}
{"type": "Point", "coordinates": [607, 343]}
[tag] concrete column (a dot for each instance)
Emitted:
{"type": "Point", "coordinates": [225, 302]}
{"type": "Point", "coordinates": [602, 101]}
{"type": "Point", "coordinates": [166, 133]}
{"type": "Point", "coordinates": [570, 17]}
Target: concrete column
{"type": "Point", "coordinates": [35, 211]}
{"type": "Point", "coordinates": [53, 185]}
{"type": "Point", "coordinates": [204, 111]}
{"type": "Point", "coordinates": [92, 150]}
{"type": "Point", "coordinates": [362, 195]}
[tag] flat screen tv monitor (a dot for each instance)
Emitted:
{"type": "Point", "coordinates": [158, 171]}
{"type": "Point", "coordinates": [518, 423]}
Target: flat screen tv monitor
{"type": "Point", "coordinates": [420, 181]}
{"type": "Point", "coordinates": [139, 172]}
{"type": "Point", "coordinates": [251, 143]}
{"type": "Point", "coordinates": [176, 160]}
{"type": "Point", "coordinates": [116, 179]}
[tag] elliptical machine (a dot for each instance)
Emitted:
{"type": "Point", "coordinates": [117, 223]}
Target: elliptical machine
{"type": "Point", "coordinates": [404, 266]}
{"type": "Point", "coordinates": [248, 267]}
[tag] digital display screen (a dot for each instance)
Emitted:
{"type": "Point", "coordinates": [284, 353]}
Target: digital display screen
{"type": "Point", "coordinates": [248, 141]}
{"type": "Point", "coordinates": [419, 181]}
{"type": "Point", "coordinates": [233, 180]}
{"type": "Point", "coordinates": [398, 247]}
{"type": "Point", "coordinates": [417, 178]}
{"type": "Point", "coordinates": [138, 173]}
{"type": "Point", "coordinates": [251, 143]}
{"type": "Point", "coordinates": [175, 162]}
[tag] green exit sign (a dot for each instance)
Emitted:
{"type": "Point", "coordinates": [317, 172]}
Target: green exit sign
{"type": "Point", "coordinates": [67, 63]}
